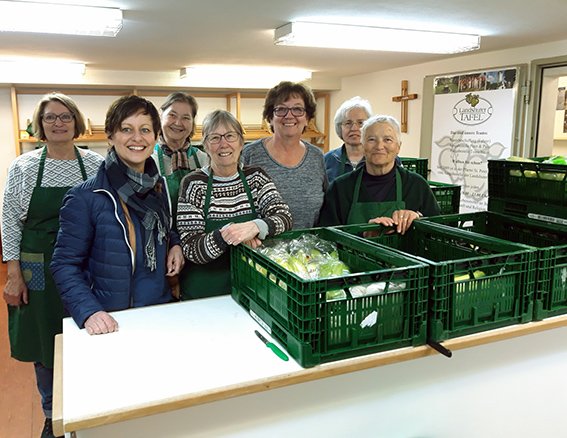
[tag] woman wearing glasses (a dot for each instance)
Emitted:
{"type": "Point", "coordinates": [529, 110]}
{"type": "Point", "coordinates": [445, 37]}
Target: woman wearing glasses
{"type": "Point", "coordinates": [348, 124]}
{"type": "Point", "coordinates": [224, 204]}
{"type": "Point", "coordinates": [296, 166]}
{"type": "Point", "coordinates": [36, 184]}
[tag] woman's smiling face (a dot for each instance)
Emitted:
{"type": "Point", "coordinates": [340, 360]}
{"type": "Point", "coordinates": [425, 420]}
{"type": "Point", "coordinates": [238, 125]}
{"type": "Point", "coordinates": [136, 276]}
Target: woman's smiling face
{"type": "Point", "coordinates": [134, 140]}
{"type": "Point", "coordinates": [290, 125]}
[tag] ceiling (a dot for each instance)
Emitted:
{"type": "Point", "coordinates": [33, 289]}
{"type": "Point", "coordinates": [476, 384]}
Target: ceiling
{"type": "Point", "coordinates": [165, 35]}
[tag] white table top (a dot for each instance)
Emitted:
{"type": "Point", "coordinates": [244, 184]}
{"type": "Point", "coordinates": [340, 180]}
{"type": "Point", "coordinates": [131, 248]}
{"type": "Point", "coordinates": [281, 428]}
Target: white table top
{"type": "Point", "coordinates": [163, 353]}
{"type": "Point", "coordinates": [183, 354]}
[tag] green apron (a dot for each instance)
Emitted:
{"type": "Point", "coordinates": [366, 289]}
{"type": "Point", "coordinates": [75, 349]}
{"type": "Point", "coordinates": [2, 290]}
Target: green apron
{"type": "Point", "coordinates": [213, 278]}
{"type": "Point", "coordinates": [362, 212]}
{"type": "Point", "coordinates": [32, 327]}
{"type": "Point", "coordinates": [173, 180]}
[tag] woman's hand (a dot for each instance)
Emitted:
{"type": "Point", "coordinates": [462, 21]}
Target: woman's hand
{"type": "Point", "coordinates": [175, 261]}
{"type": "Point", "coordinates": [15, 290]}
{"type": "Point", "coordinates": [380, 220]}
{"type": "Point", "coordinates": [403, 219]}
{"type": "Point", "coordinates": [253, 243]}
{"type": "Point", "coordinates": [100, 323]}
{"type": "Point", "coordinates": [235, 234]}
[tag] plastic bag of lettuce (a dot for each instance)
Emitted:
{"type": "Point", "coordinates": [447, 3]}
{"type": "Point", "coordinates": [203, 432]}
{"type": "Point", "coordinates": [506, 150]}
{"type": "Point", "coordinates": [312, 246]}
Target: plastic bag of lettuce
{"type": "Point", "coordinates": [312, 258]}
{"type": "Point", "coordinates": [308, 256]}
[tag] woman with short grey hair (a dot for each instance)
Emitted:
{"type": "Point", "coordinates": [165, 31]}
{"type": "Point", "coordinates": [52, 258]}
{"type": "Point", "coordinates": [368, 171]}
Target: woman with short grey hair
{"type": "Point", "coordinates": [348, 124]}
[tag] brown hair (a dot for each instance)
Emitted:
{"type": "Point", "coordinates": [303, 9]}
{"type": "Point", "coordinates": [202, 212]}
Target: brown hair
{"type": "Point", "coordinates": [127, 106]}
{"type": "Point", "coordinates": [282, 92]}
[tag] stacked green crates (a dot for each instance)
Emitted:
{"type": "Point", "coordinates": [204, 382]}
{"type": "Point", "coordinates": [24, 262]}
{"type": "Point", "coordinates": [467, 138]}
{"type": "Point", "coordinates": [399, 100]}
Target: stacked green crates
{"type": "Point", "coordinates": [477, 282]}
{"type": "Point", "coordinates": [417, 165]}
{"type": "Point", "coordinates": [448, 195]}
{"type": "Point", "coordinates": [313, 330]}
{"type": "Point", "coordinates": [533, 189]}
{"type": "Point", "coordinates": [550, 241]}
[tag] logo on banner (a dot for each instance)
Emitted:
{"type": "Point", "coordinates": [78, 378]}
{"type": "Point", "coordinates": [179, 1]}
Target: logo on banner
{"type": "Point", "coordinates": [472, 110]}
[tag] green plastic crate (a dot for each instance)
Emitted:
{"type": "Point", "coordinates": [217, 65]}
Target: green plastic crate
{"type": "Point", "coordinates": [526, 186]}
{"type": "Point", "coordinates": [448, 196]}
{"type": "Point", "coordinates": [529, 209]}
{"type": "Point", "coordinates": [417, 165]}
{"type": "Point", "coordinates": [550, 239]}
{"type": "Point", "coordinates": [314, 330]}
{"type": "Point", "coordinates": [502, 297]}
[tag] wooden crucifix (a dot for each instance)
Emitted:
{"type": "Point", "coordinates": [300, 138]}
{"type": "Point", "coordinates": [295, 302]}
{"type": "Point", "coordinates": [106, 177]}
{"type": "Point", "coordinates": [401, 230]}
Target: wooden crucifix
{"type": "Point", "coordinates": [404, 100]}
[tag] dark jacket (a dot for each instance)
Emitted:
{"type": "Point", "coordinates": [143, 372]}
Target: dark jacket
{"type": "Point", "coordinates": [333, 163]}
{"type": "Point", "coordinates": [93, 262]}
{"type": "Point", "coordinates": [339, 198]}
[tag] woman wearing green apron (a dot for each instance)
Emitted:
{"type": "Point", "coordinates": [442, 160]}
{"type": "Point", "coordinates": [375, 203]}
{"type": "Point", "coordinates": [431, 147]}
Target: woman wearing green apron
{"type": "Point", "coordinates": [380, 192]}
{"type": "Point", "coordinates": [223, 205]}
{"type": "Point", "coordinates": [37, 183]}
{"type": "Point", "coordinates": [174, 154]}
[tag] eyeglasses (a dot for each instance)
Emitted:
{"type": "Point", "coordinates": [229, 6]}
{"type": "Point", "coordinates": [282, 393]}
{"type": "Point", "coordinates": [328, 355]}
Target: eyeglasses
{"type": "Point", "coordinates": [281, 111]}
{"type": "Point", "coordinates": [349, 124]}
{"type": "Point", "coordinates": [51, 118]}
{"type": "Point", "coordinates": [230, 136]}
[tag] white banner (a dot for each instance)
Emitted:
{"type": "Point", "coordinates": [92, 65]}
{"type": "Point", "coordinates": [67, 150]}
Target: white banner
{"type": "Point", "coordinates": [473, 121]}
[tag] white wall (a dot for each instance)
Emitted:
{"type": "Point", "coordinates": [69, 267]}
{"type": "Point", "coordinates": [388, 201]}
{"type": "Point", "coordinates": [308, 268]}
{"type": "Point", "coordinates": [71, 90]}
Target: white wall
{"type": "Point", "coordinates": [380, 87]}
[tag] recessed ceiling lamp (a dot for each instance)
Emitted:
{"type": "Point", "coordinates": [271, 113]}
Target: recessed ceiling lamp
{"type": "Point", "coordinates": [60, 19]}
{"type": "Point", "coordinates": [343, 36]}
{"type": "Point", "coordinates": [240, 76]}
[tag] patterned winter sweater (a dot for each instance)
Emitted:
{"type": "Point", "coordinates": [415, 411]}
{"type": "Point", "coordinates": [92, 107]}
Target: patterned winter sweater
{"type": "Point", "coordinates": [228, 200]}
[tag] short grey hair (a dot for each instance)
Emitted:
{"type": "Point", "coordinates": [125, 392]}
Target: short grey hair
{"type": "Point", "coordinates": [346, 106]}
{"type": "Point", "coordinates": [221, 117]}
{"type": "Point", "coordinates": [379, 118]}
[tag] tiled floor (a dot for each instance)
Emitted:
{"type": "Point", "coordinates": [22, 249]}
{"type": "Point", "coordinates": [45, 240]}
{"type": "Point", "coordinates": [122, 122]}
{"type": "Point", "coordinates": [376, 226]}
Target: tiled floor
{"type": "Point", "coordinates": [20, 407]}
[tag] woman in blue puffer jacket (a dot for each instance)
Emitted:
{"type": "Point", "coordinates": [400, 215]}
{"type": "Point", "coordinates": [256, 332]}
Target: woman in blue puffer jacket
{"type": "Point", "coordinates": [116, 246]}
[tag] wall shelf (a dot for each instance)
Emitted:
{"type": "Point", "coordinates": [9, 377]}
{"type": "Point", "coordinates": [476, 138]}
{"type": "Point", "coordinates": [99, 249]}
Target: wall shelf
{"type": "Point", "coordinates": [234, 102]}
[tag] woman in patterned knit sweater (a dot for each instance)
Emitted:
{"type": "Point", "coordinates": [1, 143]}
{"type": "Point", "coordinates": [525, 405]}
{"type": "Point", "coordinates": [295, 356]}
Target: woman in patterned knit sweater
{"type": "Point", "coordinates": [222, 205]}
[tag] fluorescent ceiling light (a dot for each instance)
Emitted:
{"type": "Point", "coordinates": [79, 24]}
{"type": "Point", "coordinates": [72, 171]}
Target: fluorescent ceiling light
{"type": "Point", "coordinates": [343, 36]}
{"type": "Point", "coordinates": [39, 70]}
{"type": "Point", "coordinates": [60, 19]}
{"type": "Point", "coordinates": [239, 76]}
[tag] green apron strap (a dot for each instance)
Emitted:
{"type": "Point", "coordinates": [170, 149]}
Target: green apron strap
{"type": "Point", "coordinates": [248, 192]}
{"type": "Point", "coordinates": [208, 194]}
{"type": "Point", "coordinates": [81, 164]}
{"type": "Point", "coordinates": [356, 192]}
{"type": "Point", "coordinates": [398, 186]}
{"type": "Point", "coordinates": [41, 166]}
{"type": "Point", "coordinates": [343, 160]}
{"type": "Point", "coordinates": [160, 159]}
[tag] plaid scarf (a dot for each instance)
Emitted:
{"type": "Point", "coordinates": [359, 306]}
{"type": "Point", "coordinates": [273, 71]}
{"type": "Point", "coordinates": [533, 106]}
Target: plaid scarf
{"type": "Point", "coordinates": [179, 158]}
{"type": "Point", "coordinates": [140, 192]}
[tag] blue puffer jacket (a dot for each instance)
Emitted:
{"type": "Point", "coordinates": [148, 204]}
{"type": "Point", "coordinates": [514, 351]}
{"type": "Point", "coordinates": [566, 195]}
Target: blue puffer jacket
{"type": "Point", "coordinates": [93, 262]}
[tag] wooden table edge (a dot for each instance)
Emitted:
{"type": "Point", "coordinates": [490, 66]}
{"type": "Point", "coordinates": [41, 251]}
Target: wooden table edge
{"type": "Point", "coordinates": [305, 375]}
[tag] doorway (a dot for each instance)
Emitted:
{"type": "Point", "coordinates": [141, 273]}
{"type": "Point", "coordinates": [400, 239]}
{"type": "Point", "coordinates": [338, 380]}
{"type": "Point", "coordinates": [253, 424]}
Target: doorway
{"type": "Point", "coordinates": [548, 114]}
